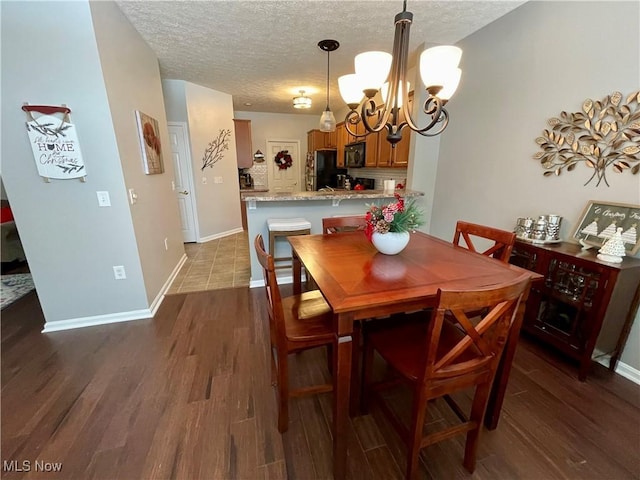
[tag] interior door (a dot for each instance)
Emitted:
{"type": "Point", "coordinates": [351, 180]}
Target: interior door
{"type": "Point", "coordinates": [288, 179]}
{"type": "Point", "coordinates": [183, 180]}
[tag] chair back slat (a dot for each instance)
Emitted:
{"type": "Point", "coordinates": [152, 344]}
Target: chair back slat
{"type": "Point", "coordinates": [276, 314]}
{"type": "Point", "coordinates": [456, 345]}
{"type": "Point", "coordinates": [502, 240]}
{"type": "Point", "coordinates": [347, 223]}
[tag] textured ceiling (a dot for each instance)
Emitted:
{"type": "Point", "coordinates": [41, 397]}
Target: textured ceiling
{"type": "Point", "coordinates": [263, 52]}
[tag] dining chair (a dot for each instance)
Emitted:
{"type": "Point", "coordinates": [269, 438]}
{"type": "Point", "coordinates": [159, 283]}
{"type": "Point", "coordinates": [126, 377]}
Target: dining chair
{"type": "Point", "coordinates": [296, 323]}
{"type": "Point", "coordinates": [346, 223]}
{"type": "Point", "coordinates": [445, 356]}
{"type": "Point", "coordinates": [502, 240]}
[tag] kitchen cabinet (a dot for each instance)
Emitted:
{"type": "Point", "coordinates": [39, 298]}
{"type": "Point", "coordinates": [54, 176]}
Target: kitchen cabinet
{"type": "Point", "coordinates": [341, 141]}
{"type": "Point", "coordinates": [331, 140]}
{"type": "Point", "coordinates": [244, 150]}
{"type": "Point", "coordinates": [317, 140]}
{"type": "Point", "coordinates": [397, 157]}
{"type": "Point", "coordinates": [582, 300]}
{"type": "Point", "coordinates": [243, 213]}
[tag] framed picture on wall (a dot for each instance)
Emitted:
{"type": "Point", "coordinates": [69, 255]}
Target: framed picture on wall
{"type": "Point", "coordinates": [600, 220]}
{"type": "Point", "coordinates": [151, 149]}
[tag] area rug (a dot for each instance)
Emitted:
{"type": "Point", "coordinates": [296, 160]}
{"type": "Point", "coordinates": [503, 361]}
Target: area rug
{"type": "Point", "coordinates": [15, 287]}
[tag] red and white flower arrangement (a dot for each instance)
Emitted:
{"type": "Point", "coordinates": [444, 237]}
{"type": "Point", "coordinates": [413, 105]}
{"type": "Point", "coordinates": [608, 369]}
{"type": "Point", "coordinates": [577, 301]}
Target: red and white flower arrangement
{"type": "Point", "coordinates": [393, 217]}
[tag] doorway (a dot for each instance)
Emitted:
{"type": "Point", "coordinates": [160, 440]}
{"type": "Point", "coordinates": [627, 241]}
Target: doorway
{"type": "Point", "coordinates": [183, 183]}
{"type": "Point", "coordinates": [284, 179]}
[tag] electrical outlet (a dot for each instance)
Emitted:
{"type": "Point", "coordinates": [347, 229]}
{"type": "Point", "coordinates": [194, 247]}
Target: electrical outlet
{"type": "Point", "coordinates": [119, 273]}
{"type": "Point", "coordinates": [173, 186]}
{"type": "Point", "coordinates": [204, 180]}
{"type": "Point", "coordinates": [217, 179]}
{"type": "Point", "coordinates": [166, 243]}
{"type": "Point", "coordinates": [103, 199]}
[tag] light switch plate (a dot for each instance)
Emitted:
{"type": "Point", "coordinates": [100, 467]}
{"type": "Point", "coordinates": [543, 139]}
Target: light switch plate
{"type": "Point", "coordinates": [119, 273]}
{"type": "Point", "coordinates": [103, 199]}
{"type": "Point", "coordinates": [133, 196]}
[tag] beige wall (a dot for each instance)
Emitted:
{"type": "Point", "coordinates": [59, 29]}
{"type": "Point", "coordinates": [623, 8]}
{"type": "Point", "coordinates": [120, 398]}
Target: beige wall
{"type": "Point", "coordinates": [209, 112]}
{"type": "Point", "coordinates": [132, 79]}
{"type": "Point", "coordinates": [98, 65]}
{"type": "Point", "coordinates": [528, 66]}
{"type": "Point", "coordinates": [70, 242]}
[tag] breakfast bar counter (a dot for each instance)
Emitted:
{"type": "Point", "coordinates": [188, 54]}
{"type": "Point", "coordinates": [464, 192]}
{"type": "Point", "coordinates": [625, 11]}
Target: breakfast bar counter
{"type": "Point", "coordinates": [266, 196]}
{"type": "Point", "coordinates": [312, 206]}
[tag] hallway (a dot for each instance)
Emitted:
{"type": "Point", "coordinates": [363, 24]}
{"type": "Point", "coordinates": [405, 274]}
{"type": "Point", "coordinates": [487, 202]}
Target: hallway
{"type": "Point", "coordinates": [214, 265]}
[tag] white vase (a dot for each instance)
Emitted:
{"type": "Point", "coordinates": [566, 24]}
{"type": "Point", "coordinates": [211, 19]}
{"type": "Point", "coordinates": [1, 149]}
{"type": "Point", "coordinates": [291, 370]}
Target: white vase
{"type": "Point", "coordinates": [390, 243]}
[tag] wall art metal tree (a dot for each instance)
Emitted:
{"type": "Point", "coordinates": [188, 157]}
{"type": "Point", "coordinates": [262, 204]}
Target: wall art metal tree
{"type": "Point", "coordinates": [214, 151]}
{"type": "Point", "coordinates": [605, 134]}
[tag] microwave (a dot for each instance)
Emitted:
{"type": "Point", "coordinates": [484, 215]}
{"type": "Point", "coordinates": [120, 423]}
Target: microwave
{"type": "Point", "coordinates": [354, 155]}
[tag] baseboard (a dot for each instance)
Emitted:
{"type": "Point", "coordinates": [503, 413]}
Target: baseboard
{"type": "Point", "coordinates": [96, 320]}
{"type": "Point", "coordinates": [622, 369]}
{"type": "Point", "coordinates": [220, 235]}
{"type": "Point", "coordinates": [284, 280]}
{"type": "Point", "coordinates": [158, 300]}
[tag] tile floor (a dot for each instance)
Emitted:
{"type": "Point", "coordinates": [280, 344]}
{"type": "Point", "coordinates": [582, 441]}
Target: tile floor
{"type": "Point", "coordinates": [221, 263]}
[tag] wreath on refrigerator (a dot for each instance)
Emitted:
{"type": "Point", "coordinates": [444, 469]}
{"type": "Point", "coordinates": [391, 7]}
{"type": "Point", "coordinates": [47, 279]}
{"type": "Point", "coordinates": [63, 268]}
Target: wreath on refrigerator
{"type": "Point", "coordinates": [283, 159]}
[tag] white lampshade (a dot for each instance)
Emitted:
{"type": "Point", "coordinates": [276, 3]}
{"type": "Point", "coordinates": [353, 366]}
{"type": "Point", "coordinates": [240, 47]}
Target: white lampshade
{"type": "Point", "coordinates": [438, 63]}
{"type": "Point", "coordinates": [384, 91]}
{"type": "Point", "coordinates": [327, 121]}
{"type": "Point", "coordinates": [444, 56]}
{"type": "Point", "coordinates": [372, 68]}
{"type": "Point", "coordinates": [350, 88]}
{"type": "Point", "coordinates": [450, 84]}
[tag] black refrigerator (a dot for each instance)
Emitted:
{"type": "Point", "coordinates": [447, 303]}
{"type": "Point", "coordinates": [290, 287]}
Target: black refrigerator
{"type": "Point", "coordinates": [321, 170]}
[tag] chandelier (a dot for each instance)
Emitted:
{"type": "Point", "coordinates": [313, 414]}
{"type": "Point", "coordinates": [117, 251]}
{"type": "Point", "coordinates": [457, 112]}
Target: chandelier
{"type": "Point", "coordinates": [301, 101]}
{"type": "Point", "coordinates": [440, 75]}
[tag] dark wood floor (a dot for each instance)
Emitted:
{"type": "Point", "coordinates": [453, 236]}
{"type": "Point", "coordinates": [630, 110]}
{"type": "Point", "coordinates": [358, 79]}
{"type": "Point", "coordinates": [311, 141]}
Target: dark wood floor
{"type": "Point", "coordinates": [187, 395]}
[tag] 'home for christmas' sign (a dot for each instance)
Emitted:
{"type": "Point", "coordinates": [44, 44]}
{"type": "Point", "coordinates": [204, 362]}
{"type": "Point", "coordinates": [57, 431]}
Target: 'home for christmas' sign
{"type": "Point", "coordinates": [54, 143]}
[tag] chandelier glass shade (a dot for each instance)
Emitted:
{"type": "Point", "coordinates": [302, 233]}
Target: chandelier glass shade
{"type": "Point", "coordinates": [439, 72]}
{"type": "Point", "coordinates": [350, 89]}
{"type": "Point", "coordinates": [301, 101]}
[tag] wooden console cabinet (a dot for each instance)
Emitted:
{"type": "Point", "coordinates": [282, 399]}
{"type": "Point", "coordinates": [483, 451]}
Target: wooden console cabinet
{"type": "Point", "coordinates": [582, 300]}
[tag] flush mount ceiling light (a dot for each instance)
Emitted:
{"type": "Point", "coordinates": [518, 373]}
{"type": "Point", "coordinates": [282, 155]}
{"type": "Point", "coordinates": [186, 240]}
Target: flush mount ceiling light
{"type": "Point", "coordinates": [301, 101]}
{"type": "Point", "coordinates": [328, 120]}
{"type": "Point", "coordinates": [438, 69]}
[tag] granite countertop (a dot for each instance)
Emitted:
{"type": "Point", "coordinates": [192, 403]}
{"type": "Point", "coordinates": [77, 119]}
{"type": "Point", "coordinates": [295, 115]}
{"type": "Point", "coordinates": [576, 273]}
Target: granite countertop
{"type": "Point", "coordinates": [253, 189]}
{"type": "Point", "coordinates": [264, 196]}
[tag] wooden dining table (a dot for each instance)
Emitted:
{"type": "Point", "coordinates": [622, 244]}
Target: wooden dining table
{"type": "Point", "coordinates": [359, 284]}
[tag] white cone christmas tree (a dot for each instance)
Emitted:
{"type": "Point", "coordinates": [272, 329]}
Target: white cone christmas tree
{"type": "Point", "coordinates": [630, 235]}
{"type": "Point", "coordinates": [609, 231]}
{"type": "Point", "coordinates": [591, 229]}
{"type": "Point", "coordinates": [613, 249]}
